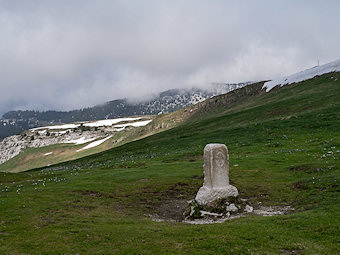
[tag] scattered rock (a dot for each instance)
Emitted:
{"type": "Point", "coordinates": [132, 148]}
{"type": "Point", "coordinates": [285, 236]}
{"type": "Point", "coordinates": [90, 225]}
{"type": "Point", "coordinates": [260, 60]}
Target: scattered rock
{"type": "Point", "coordinates": [210, 213]}
{"type": "Point", "coordinates": [231, 208]}
{"type": "Point", "coordinates": [248, 209]}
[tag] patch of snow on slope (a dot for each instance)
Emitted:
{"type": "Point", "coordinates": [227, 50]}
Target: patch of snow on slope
{"type": "Point", "coordinates": [304, 75]}
{"type": "Point", "coordinates": [94, 144]}
{"type": "Point", "coordinates": [63, 132]}
{"type": "Point", "coordinates": [140, 123]}
{"type": "Point", "coordinates": [109, 122]}
{"type": "Point", "coordinates": [99, 123]}
{"type": "Point", "coordinates": [134, 124]}
{"type": "Point", "coordinates": [48, 153]}
{"type": "Point", "coordinates": [65, 126]}
{"type": "Point", "coordinates": [81, 140]}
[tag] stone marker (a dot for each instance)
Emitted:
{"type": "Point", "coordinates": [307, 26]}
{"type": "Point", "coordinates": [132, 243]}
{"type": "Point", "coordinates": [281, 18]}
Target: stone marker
{"type": "Point", "coordinates": [216, 175]}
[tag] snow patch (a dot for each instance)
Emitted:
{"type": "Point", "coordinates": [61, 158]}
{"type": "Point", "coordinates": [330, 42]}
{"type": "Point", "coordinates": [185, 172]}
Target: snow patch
{"type": "Point", "coordinates": [48, 153]}
{"type": "Point", "coordinates": [94, 144]}
{"type": "Point", "coordinates": [65, 126]}
{"type": "Point", "coordinates": [210, 213]}
{"type": "Point", "coordinates": [42, 132]}
{"type": "Point", "coordinates": [304, 75]}
{"type": "Point", "coordinates": [63, 132]}
{"type": "Point", "coordinates": [109, 122]}
{"type": "Point", "coordinates": [99, 123]}
{"type": "Point", "coordinates": [81, 140]}
{"type": "Point", "coordinates": [140, 123]}
{"type": "Point", "coordinates": [134, 124]}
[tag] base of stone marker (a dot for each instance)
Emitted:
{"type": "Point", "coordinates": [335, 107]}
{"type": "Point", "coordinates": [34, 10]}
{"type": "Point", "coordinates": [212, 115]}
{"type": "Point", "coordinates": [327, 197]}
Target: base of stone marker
{"type": "Point", "coordinates": [206, 195]}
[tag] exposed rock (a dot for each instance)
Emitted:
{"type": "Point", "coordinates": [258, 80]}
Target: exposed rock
{"type": "Point", "coordinates": [44, 136]}
{"type": "Point", "coordinates": [13, 145]}
{"type": "Point", "coordinates": [248, 209]}
{"type": "Point", "coordinates": [232, 208]}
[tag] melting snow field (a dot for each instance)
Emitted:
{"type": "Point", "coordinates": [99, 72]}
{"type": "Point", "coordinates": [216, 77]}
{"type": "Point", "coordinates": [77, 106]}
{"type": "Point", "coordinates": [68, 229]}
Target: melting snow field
{"type": "Point", "coordinates": [66, 126]}
{"type": "Point", "coordinates": [81, 140]}
{"type": "Point", "coordinates": [304, 75]}
{"type": "Point", "coordinates": [94, 144]}
{"type": "Point", "coordinates": [99, 123]}
{"type": "Point", "coordinates": [134, 124]}
{"type": "Point", "coordinates": [109, 122]}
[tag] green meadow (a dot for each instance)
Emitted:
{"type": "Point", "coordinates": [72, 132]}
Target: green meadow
{"type": "Point", "coordinates": [284, 149]}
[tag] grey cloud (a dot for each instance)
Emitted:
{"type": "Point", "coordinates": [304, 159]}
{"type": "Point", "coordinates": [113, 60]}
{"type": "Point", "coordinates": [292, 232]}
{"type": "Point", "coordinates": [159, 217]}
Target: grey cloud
{"type": "Point", "coordinates": [71, 54]}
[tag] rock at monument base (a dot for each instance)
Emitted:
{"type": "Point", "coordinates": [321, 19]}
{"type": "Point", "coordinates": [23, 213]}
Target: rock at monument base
{"type": "Point", "coordinates": [232, 208]}
{"type": "Point", "coordinates": [248, 209]}
{"type": "Point", "coordinates": [206, 195]}
{"type": "Point", "coordinates": [217, 209]}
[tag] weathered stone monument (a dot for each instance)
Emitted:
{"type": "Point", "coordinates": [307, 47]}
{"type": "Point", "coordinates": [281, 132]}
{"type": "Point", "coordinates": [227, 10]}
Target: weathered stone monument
{"type": "Point", "coordinates": [216, 175]}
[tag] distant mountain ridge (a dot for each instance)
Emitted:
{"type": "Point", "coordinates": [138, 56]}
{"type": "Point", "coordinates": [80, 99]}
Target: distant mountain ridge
{"type": "Point", "coordinates": [14, 122]}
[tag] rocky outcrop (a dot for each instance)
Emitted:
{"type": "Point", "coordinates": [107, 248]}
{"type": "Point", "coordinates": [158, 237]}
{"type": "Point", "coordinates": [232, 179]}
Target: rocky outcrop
{"type": "Point", "coordinates": [13, 145]}
{"type": "Point", "coordinates": [79, 133]}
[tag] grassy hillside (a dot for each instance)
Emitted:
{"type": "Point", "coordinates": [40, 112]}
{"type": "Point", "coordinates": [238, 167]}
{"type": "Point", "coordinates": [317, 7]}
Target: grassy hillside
{"type": "Point", "coordinates": [284, 151]}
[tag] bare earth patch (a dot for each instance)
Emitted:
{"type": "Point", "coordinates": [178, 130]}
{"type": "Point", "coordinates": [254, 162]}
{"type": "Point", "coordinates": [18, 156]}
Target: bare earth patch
{"type": "Point", "coordinates": [173, 212]}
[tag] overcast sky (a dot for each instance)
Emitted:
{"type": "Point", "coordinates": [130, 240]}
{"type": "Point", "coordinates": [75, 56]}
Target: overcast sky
{"type": "Point", "coordinates": [67, 54]}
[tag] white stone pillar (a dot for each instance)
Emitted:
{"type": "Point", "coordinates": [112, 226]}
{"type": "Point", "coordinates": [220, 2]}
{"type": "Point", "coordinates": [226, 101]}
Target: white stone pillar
{"type": "Point", "coordinates": [216, 175]}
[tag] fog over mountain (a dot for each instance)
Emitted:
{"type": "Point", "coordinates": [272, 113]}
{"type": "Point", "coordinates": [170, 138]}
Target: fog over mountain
{"type": "Point", "coordinates": [14, 122]}
{"type": "Point", "coordinates": [64, 55]}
